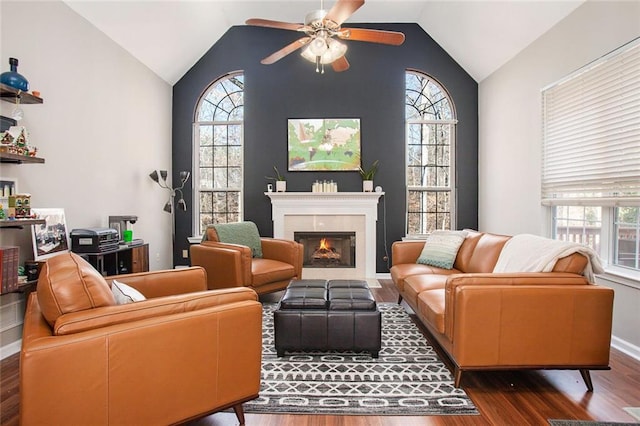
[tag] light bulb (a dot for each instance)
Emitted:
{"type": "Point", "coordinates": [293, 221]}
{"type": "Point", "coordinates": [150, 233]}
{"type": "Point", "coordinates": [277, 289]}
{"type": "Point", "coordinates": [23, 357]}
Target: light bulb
{"type": "Point", "coordinates": [318, 46]}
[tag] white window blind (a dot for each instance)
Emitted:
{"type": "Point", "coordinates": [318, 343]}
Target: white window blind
{"type": "Point", "coordinates": [591, 133]}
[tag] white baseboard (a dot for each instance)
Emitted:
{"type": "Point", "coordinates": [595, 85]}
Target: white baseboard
{"type": "Point", "coordinates": [623, 346]}
{"type": "Point", "coordinates": [383, 276]}
{"type": "Point", "coordinates": [10, 349]}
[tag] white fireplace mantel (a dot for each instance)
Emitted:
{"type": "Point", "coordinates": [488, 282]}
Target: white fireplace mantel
{"type": "Point", "coordinates": [321, 207]}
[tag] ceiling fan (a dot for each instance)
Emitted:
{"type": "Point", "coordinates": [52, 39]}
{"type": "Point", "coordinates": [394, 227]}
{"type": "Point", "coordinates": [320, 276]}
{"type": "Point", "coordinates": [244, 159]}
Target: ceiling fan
{"type": "Point", "coordinates": [321, 28]}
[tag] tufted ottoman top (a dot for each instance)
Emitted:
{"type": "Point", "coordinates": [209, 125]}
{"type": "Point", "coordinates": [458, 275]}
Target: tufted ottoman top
{"type": "Point", "coordinates": [332, 295]}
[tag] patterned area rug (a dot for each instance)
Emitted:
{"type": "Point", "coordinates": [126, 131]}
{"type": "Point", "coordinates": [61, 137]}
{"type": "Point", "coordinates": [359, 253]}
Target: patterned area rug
{"type": "Point", "coordinates": [407, 379]}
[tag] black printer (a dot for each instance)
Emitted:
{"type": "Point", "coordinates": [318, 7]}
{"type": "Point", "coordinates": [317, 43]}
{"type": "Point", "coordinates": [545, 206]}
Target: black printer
{"type": "Point", "coordinates": [94, 240]}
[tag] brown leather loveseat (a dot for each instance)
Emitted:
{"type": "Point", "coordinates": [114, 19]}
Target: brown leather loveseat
{"type": "Point", "coordinates": [181, 353]}
{"type": "Point", "coordinates": [517, 320]}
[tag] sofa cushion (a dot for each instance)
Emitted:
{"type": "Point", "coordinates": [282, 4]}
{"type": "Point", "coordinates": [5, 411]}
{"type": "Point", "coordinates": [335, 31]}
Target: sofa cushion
{"type": "Point", "coordinates": [431, 306]}
{"type": "Point", "coordinates": [485, 253]}
{"type": "Point", "coordinates": [441, 248]}
{"type": "Point", "coordinates": [243, 233]}
{"type": "Point", "coordinates": [416, 284]}
{"type": "Point", "coordinates": [400, 272]}
{"type": "Point", "coordinates": [267, 271]}
{"type": "Point", "coordinates": [68, 283]}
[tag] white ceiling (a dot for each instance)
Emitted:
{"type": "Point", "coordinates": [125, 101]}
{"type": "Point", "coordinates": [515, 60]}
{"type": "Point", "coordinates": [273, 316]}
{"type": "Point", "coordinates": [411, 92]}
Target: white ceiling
{"type": "Point", "coordinates": [170, 36]}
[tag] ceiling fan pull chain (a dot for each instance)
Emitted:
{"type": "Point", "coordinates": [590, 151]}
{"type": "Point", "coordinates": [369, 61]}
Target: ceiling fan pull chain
{"type": "Point", "coordinates": [318, 64]}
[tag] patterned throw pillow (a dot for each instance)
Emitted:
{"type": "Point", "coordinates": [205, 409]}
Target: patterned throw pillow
{"type": "Point", "coordinates": [441, 248]}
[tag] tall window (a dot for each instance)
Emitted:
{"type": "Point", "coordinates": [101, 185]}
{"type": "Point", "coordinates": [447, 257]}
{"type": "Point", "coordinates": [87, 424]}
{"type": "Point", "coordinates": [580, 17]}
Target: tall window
{"type": "Point", "coordinates": [218, 159]}
{"type": "Point", "coordinates": [430, 144]}
{"type": "Point", "coordinates": [591, 157]}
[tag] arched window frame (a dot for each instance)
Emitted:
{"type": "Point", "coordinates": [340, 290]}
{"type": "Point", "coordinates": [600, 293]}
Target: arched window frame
{"type": "Point", "coordinates": [218, 154]}
{"type": "Point", "coordinates": [430, 155]}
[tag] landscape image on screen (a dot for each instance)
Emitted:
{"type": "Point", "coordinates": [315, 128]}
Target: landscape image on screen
{"type": "Point", "coordinates": [331, 144]}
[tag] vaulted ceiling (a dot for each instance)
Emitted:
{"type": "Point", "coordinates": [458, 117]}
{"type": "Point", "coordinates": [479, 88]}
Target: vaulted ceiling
{"type": "Point", "coordinates": [169, 36]}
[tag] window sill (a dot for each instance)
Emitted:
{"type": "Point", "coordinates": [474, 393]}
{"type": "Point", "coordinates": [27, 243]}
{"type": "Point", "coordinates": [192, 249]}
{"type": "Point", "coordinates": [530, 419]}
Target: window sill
{"type": "Point", "coordinates": [622, 276]}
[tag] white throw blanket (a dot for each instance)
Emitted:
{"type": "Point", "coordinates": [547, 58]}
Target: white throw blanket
{"type": "Point", "coordinates": [531, 253]}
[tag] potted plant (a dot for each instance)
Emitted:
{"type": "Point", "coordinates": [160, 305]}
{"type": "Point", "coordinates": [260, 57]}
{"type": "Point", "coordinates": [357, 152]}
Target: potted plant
{"type": "Point", "coordinates": [367, 176]}
{"type": "Point", "coordinates": [281, 184]}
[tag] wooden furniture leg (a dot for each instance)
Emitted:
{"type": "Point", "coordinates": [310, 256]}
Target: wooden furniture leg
{"type": "Point", "coordinates": [586, 376]}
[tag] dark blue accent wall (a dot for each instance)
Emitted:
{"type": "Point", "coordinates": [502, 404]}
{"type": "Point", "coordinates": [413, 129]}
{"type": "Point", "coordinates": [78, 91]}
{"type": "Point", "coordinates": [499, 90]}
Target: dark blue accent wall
{"type": "Point", "coordinates": [372, 90]}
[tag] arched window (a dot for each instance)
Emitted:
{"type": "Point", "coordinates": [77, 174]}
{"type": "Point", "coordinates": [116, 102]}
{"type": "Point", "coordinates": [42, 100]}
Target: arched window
{"type": "Point", "coordinates": [430, 144]}
{"type": "Point", "coordinates": [218, 158]}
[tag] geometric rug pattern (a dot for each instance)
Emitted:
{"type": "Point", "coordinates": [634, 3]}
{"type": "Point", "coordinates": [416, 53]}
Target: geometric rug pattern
{"type": "Point", "coordinates": [408, 378]}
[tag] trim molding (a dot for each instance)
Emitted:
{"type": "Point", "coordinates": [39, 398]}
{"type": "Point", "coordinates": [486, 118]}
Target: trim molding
{"type": "Point", "coordinates": [625, 347]}
{"type": "Point", "coordinates": [10, 349]}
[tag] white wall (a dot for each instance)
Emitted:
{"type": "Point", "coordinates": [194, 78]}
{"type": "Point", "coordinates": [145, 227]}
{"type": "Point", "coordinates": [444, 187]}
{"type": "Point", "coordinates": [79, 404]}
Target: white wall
{"type": "Point", "coordinates": [510, 111]}
{"type": "Point", "coordinates": [105, 123]}
{"type": "Point", "coordinates": [510, 131]}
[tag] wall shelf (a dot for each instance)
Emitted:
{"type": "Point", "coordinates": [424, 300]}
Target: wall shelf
{"type": "Point", "coordinates": [20, 223]}
{"type": "Point", "coordinates": [6, 157]}
{"type": "Point", "coordinates": [9, 94]}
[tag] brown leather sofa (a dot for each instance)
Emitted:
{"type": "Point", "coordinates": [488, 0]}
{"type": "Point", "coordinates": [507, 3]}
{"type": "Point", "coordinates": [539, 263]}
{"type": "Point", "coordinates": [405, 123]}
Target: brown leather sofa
{"type": "Point", "coordinates": [491, 321]}
{"type": "Point", "coordinates": [232, 265]}
{"type": "Point", "coordinates": [181, 354]}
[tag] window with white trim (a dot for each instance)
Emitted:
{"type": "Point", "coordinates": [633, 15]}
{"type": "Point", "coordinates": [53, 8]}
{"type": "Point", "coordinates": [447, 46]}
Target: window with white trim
{"type": "Point", "coordinates": [218, 153]}
{"type": "Point", "coordinates": [430, 147]}
{"type": "Point", "coordinates": [591, 157]}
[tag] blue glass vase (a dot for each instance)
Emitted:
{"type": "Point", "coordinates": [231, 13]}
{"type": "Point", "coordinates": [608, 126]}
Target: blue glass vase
{"type": "Point", "coordinates": [13, 79]}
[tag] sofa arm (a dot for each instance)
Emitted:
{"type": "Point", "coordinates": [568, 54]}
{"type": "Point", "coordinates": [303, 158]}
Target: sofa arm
{"type": "Point", "coordinates": [227, 265]}
{"type": "Point", "coordinates": [153, 371]}
{"type": "Point", "coordinates": [456, 282]}
{"type": "Point", "coordinates": [165, 283]}
{"type": "Point", "coordinates": [406, 251]}
{"type": "Point", "coordinates": [89, 319]}
{"type": "Point", "coordinates": [286, 251]}
{"type": "Point", "coordinates": [529, 325]}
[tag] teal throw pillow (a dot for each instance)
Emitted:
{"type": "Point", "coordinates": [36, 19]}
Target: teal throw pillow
{"type": "Point", "coordinates": [243, 233]}
{"type": "Point", "coordinates": [441, 248]}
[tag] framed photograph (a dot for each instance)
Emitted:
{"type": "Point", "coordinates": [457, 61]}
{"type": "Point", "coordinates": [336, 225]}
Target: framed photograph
{"type": "Point", "coordinates": [49, 238]}
{"type": "Point", "coordinates": [8, 186]}
{"type": "Point", "coordinates": [323, 144]}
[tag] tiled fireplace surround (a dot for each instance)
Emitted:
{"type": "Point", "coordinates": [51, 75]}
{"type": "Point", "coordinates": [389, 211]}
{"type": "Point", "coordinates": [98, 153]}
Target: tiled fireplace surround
{"type": "Point", "coordinates": [330, 212]}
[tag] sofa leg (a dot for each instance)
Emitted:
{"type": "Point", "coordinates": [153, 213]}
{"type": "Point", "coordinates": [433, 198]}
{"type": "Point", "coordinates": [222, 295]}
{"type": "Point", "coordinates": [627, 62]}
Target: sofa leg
{"type": "Point", "coordinates": [586, 376]}
{"type": "Point", "coordinates": [239, 413]}
{"type": "Point", "coordinates": [399, 299]}
{"type": "Point", "coordinates": [457, 377]}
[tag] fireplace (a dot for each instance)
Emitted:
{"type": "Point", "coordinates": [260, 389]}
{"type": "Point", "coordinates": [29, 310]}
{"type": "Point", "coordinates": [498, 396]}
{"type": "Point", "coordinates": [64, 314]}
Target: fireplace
{"type": "Point", "coordinates": [330, 212]}
{"type": "Point", "coordinates": [327, 249]}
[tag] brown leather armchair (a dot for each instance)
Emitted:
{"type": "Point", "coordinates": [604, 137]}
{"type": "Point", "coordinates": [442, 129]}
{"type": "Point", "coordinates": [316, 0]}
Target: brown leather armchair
{"type": "Point", "coordinates": [183, 353]}
{"type": "Point", "coordinates": [232, 265]}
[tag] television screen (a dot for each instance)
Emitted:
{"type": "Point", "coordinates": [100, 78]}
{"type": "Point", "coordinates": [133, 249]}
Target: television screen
{"type": "Point", "coordinates": [324, 144]}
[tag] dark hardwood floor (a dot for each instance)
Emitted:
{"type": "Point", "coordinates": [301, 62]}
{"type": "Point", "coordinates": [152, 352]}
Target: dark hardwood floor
{"type": "Point", "coordinates": [503, 398]}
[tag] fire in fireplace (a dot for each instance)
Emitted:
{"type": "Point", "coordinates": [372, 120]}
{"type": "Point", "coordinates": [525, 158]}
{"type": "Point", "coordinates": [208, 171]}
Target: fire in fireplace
{"type": "Point", "coordinates": [327, 249]}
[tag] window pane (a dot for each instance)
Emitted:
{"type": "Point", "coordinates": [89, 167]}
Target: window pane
{"type": "Point", "coordinates": [206, 178]}
{"type": "Point", "coordinates": [579, 224]}
{"type": "Point", "coordinates": [627, 233]}
{"type": "Point", "coordinates": [206, 202]}
{"type": "Point", "coordinates": [206, 157]}
{"type": "Point", "coordinates": [220, 156]}
{"type": "Point", "coordinates": [206, 135]}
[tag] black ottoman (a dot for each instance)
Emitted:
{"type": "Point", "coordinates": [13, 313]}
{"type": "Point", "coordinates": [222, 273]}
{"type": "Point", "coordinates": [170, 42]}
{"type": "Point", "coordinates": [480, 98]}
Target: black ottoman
{"type": "Point", "coordinates": [327, 315]}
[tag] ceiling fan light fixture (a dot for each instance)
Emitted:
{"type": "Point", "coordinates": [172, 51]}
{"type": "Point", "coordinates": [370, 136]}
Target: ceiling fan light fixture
{"type": "Point", "coordinates": [334, 50]}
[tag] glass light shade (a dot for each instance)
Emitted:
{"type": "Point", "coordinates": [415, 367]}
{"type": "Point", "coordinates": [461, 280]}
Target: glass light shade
{"type": "Point", "coordinates": [167, 207]}
{"type": "Point", "coordinates": [154, 175]}
{"type": "Point", "coordinates": [318, 46]}
{"type": "Point", "coordinates": [163, 174]}
{"type": "Point", "coordinates": [182, 205]}
{"type": "Point", "coordinates": [335, 50]}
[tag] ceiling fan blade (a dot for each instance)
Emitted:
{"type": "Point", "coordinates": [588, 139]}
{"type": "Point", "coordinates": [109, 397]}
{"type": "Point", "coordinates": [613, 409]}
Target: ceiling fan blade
{"type": "Point", "coordinates": [340, 64]}
{"type": "Point", "coordinates": [341, 11]}
{"type": "Point", "coordinates": [373, 36]}
{"type": "Point", "coordinates": [274, 24]}
{"type": "Point", "coordinates": [289, 48]}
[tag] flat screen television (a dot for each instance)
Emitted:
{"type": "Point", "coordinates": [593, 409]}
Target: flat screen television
{"type": "Point", "coordinates": [323, 144]}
